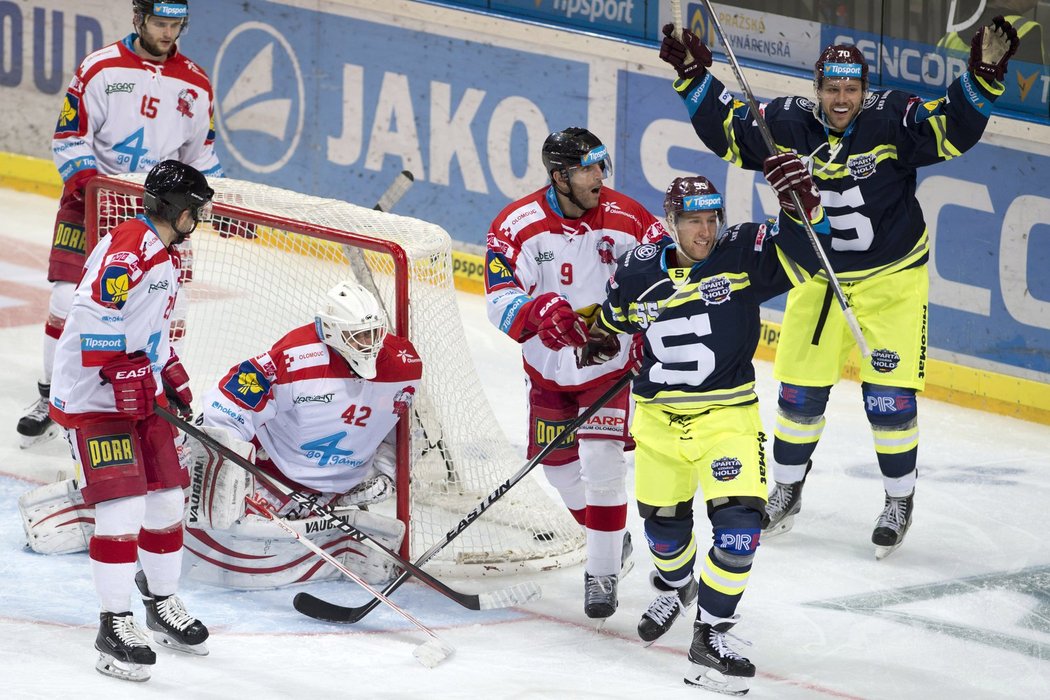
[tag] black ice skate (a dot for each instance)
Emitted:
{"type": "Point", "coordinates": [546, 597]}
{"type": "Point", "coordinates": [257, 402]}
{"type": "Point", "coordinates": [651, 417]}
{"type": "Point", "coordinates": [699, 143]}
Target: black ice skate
{"type": "Point", "coordinates": [123, 648]}
{"type": "Point", "coordinates": [785, 502]}
{"type": "Point", "coordinates": [172, 626]}
{"type": "Point", "coordinates": [599, 595]}
{"type": "Point", "coordinates": [715, 666]}
{"type": "Point", "coordinates": [35, 425]}
{"type": "Point", "coordinates": [892, 524]}
{"type": "Point", "coordinates": [666, 608]}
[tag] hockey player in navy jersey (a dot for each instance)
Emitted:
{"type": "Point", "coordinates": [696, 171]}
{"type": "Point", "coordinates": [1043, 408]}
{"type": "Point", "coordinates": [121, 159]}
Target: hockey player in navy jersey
{"type": "Point", "coordinates": [694, 296]}
{"type": "Point", "coordinates": [863, 148]}
{"type": "Point", "coordinates": [549, 256]}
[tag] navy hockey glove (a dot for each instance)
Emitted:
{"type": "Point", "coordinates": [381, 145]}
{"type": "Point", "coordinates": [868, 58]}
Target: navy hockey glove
{"type": "Point", "coordinates": [599, 348]}
{"type": "Point", "coordinates": [991, 49]}
{"type": "Point", "coordinates": [786, 173]}
{"type": "Point", "coordinates": [688, 55]}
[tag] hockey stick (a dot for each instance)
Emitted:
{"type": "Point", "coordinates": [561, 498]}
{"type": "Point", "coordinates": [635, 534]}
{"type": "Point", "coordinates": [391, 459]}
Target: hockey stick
{"type": "Point", "coordinates": [767, 136]}
{"type": "Point", "coordinates": [323, 610]}
{"type": "Point", "coordinates": [430, 653]}
{"type": "Point", "coordinates": [387, 200]}
{"type": "Point", "coordinates": [515, 595]}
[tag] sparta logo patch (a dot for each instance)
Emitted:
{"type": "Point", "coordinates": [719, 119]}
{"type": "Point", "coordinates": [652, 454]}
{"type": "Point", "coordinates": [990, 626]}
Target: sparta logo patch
{"type": "Point", "coordinates": [861, 167]}
{"type": "Point", "coordinates": [884, 360]}
{"type": "Point", "coordinates": [715, 290]}
{"type": "Point", "coordinates": [726, 468]}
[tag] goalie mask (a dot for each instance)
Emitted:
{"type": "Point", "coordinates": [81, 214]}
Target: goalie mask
{"type": "Point", "coordinates": [172, 188]}
{"type": "Point", "coordinates": [353, 323]}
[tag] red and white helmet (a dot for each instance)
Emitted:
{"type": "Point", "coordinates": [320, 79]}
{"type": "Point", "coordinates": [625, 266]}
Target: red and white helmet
{"type": "Point", "coordinates": [695, 193]}
{"type": "Point", "coordinates": [839, 61]}
{"type": "Point", "coordinates": [353, 323]}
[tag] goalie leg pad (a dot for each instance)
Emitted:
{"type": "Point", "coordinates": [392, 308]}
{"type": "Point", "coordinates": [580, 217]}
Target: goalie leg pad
{"type": "Point", "coordinates": [217, 488]}
{"type": "Point", "coordinates": [55, 519]}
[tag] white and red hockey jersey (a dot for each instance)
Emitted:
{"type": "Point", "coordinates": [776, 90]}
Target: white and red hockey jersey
{"type": "Point", "coordinates": [124, 114]}
{"type": "Point", "coordinates": [318, 421]}
{"type": "Point", "coordinates": [121, 306]}
{"type": "Point", "coordinates": [533, 249]}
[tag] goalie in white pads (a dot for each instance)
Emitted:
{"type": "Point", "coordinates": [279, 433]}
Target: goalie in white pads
{"type": "Point", "coordinates": [318, 411]}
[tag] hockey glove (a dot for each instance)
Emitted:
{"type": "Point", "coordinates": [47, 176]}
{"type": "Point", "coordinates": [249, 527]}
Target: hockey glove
{"type": "Point", "coordinates": [688, 55]}
{"type": "Point", "coordinates": [599, 349]}
{"type": "Point", "coordinates": [557, 325]}
{"type": "Point", "coordinates": [134, 388]}
{"type": "Point", "coordinates": [786, 173]}
{"type": "Point", "coordinates": [177, 387]}
{"type": "Point", "coordinates": [991, 49]}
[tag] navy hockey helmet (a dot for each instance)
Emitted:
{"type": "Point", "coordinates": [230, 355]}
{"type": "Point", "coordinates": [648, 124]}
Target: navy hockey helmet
{"type": "Point", "coordinates": [572, 148]}
{"type": "Point", "coordinates": [840, 61]}
{"type": "Point", "coordinates": [172, 188]}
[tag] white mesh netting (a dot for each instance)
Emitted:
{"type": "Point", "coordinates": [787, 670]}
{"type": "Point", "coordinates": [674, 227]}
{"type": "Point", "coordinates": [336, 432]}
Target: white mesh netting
{"type": "Point", "coordinates": [250, 288]}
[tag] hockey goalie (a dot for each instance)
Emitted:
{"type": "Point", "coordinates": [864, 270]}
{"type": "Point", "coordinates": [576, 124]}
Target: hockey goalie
{"type": "Point", "coordinates": [316, 412]}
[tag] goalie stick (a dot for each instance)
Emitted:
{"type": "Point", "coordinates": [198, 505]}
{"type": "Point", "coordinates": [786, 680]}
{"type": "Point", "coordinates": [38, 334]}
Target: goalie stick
{"type": "Point", "coordinates": [515, 595]}
{"type": "Point", "coordinates": [314, 607]}
{"type": "Point", "coordinates": [771, 146]}
{"type": "Point", "coordinates": [430, 653]}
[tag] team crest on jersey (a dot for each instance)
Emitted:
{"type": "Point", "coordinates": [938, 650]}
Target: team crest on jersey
{"type": "Point", "coordinates": [69, 117]}
{"type": "Point", "coordinates": [884, 360]}
{"type": "Point", "coordinates": [646, 251]}
{"type": "Point", "coordinates": [113, 285]}
{"type": "Point", "coordinates": [497, 271]}
{"type": "Point", "coordinates": [871, 99]}
{"type": "Point", "coordinates": [861, 166]}
{"type": "Point", "coordinates": [804, 103]}
{"type": "Point", "coordinates": [605, 250]}
{"type": "Point", "coordinates": [403, 400]}
{"type": "Point", "coordinates": [247, 385]}
{"type": "Point", "coordinates": [110, 451]}
{"type": "Point", "coordinates": [715, 290]}
{"type": "Point", "coordinates": [187, 100]}
{"type": "Point", "coordinates": [726, 468]}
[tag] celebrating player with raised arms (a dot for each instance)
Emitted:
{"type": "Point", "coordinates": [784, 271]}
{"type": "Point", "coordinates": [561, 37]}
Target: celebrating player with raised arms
{"type": "Point", "coordinates": [863, 148]}
{"type": "Point", "coordinates": [549, 256]}
{"type": "Point", "coordinates": [130, 105]}
{"type": "Point", "coordinates": [694, 296]}
{"type": "Point", "coordinates": [110, 365]}
{"type": "Point", "coordinates": [318, 411]}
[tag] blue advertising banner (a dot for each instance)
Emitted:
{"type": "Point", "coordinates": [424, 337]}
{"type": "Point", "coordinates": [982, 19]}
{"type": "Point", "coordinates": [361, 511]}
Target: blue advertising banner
{"type": "Point", "coordinates": [631, 18]}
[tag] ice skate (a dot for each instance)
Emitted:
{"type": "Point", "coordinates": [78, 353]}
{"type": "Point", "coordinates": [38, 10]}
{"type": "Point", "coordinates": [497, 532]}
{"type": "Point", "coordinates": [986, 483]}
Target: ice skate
{"type": "Point", "coordinates": [599, 595]}
{"type": "Point", "coordinates": [626, 562]}
{"type": "Point", "coordinates": [783, 505]}
{"type": "Point", "coordinates": [715, 666]}
{"type": "Point", "coordinates": [35, 425]}
{"type": "Point", "coordinates": [172, 626]}
{"type": "Point", "coordinates": [892, 524]}
{"type": "Point", "coordinates": [123, 647]}
{"type": "Point", "coordinates": [669, 605]}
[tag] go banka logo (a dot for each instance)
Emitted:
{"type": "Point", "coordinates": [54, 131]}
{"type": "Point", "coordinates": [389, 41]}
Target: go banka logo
{"type": "Point", "coordinates": [261, 97]}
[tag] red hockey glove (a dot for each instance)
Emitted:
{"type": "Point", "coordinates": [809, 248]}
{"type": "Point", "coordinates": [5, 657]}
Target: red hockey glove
{"type": "Point", "coordinates": [556, 324]}
{"type": "Point", "coordinates": [991, 48]}
{"type": "Point", "coordinates": [688, 55]}
{"type": "Point", "coordinates": [787, 173]}
{"type": "Point", "coordinates": [599, 348]}
{"type": "Point", "coordinates": [133, 385]}
{"type": "Point", "coordinates": [177, 387]}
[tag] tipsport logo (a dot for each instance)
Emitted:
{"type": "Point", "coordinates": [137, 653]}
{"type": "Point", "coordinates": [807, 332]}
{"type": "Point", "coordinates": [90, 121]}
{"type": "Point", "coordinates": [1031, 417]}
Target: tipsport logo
{"type": "Point", "coordinates": [597, 10]}
{"type": "Point", "coordinates": [261, 96]}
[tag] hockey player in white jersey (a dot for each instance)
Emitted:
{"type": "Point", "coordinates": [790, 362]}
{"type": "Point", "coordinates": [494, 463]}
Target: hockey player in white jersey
{"type": "Point", "coordinates": [549, 256]}
{"type": "Point", "coordinates": [110, 365]}
{"type": "Point", "coordinates": [318, 411]}
{"type": "Point", "coordinates": [129, 106]}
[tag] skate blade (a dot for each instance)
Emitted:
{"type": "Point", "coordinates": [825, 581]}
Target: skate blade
{"type": "Point", "coordinates": [28, 441]}
{"type": "Point", "coordinates": [191, 649]}
{"type": "Point", "coordinates": [626, 568]}
{"type": "Point", "coordinates": [881, 551]}
{"type": "Point", "coordinates": [125, 671]}
{"type": "Point", "coordinates": [780, 528]}
{"type": "Point", "coordinates": [708, 678]}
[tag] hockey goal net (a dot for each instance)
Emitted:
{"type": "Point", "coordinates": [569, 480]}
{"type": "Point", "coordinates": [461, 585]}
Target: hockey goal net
{"type": "Point", "coordinates": [286, 250]}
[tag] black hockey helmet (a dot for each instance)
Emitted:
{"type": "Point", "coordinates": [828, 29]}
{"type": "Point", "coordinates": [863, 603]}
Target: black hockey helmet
{"type": "Point", "coordinates": [572, 148]}
{"type": "Point", "coordinates": [172, 188]}
{"type": "Point", "coordinates": [169, 9]}
{"type": "Point", "coordinates": [840, 61]}
{"type": "Point", "coordinates": [694, 193]}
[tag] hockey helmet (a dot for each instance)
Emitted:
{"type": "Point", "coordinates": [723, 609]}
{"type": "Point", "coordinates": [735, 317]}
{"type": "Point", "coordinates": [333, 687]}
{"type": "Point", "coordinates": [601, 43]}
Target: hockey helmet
{"type": "Point", "coordinates": [573, 148]}
{"type": "Point", "coordinates": [695, 193]}
{"type": "Point", "coordinates": [839, 61]}
{"type": "Point", "coordinates": [353, 323]}
{"type": "Point", "coordinates": [170, 9]}
{"type": "Point", "coordinates": [172, 188]}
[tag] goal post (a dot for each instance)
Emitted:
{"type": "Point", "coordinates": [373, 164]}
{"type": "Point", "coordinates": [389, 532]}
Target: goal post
{"type": "Point", "coordinates": [265, 271]}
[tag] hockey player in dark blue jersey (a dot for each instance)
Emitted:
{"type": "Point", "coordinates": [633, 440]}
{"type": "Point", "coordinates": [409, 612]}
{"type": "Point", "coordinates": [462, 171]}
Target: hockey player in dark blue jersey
{"type": "Point", "coordinates": [864, 147]}
{"type": "Point", "coordinates": [694, 298]}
